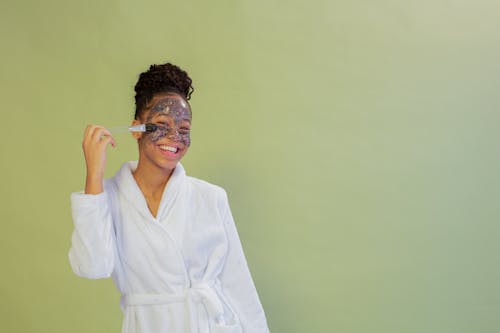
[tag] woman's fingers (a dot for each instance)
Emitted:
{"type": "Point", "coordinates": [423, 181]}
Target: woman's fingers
{"type": "Point", "coordinates": [106, 140]}
{"type": "Point", "coordinates": [90, 134]}
{"type": "Point", "coordinates": [96, 134]}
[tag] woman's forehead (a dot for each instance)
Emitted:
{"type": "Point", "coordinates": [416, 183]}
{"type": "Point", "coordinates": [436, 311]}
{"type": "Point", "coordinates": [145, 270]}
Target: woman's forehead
{"type": "Point", "coordinates": [171, 99]}
{"type": "Point", "coordinates": [169, 105]}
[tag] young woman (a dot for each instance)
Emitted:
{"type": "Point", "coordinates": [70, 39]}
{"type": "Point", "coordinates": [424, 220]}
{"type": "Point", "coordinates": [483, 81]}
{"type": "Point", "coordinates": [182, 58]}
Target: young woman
{"type": "Point", "coordinates": [168, 240]}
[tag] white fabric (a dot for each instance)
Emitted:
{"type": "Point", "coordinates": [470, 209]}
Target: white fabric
{"type": "Point", "coordinates": [183, 271]}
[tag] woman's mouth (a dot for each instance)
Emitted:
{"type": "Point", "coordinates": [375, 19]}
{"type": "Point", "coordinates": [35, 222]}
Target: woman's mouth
{"type": "Point", "coordinates": [169, 148]}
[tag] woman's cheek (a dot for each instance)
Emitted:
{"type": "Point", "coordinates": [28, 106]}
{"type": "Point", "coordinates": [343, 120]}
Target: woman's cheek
{"type": "Point", "coordinates": [160, 133]}
{"type": "Point", "coordinates": [186, 139]}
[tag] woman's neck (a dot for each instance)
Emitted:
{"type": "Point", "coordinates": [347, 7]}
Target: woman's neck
{"type": "Point", "coordinates": [151, 180]}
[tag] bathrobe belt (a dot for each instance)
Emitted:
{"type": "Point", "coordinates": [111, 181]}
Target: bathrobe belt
{"type": "Point", "coordinates": [202, 292]}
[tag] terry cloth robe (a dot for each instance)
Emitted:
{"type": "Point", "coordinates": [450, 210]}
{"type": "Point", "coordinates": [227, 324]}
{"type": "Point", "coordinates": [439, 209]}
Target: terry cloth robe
{"type": "Point", "coordinates": [183, 271]}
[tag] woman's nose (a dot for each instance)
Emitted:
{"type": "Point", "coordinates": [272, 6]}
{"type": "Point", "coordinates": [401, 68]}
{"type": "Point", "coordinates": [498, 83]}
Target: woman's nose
{"type": "Point", "coordinates": [174, 134]}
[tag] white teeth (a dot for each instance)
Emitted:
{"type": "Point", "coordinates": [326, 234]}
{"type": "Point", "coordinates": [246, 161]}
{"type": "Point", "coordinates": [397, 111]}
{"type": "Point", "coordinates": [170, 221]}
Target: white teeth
{"type": "Point", "coordinates": [169, 148]}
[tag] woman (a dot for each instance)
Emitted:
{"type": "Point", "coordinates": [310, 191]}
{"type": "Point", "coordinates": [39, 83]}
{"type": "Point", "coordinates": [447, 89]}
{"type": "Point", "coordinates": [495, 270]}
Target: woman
{"type": "Point", "coordinates": [168, 240]}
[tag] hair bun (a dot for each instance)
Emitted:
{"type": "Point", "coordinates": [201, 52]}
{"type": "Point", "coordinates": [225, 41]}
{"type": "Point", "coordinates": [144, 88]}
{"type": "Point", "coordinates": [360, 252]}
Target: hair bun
{"type": "Point", "coordinates": [158, 79]}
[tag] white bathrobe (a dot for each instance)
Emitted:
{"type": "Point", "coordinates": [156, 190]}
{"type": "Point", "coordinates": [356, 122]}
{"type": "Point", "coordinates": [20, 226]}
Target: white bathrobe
{"type": "Point", "coordinates": [183, 271]}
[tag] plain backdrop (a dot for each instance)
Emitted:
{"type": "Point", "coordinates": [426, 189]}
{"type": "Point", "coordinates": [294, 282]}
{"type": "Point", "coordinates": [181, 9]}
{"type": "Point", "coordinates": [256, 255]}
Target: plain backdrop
{"type": "Point", "coordinates": [358, 142]}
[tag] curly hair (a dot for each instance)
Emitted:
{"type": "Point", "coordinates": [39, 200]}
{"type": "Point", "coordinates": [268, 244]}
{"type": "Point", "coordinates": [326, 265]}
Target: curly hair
{"type": "Point", "coordinates": [163, 78]}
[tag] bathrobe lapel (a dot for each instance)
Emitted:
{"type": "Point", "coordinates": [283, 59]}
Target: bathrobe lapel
{"type": "Point", "coordinates": [170, 194]}
{"type": "Point", "coordinates": [131, 191]}
{"type": "Point", "coordinates": [152, 236]}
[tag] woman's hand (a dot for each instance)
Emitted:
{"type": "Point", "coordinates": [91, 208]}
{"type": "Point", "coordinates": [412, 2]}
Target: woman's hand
{"type": "Point", "coordinates": [95, 142]}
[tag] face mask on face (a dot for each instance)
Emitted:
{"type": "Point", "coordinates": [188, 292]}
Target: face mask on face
{"type": "Point", "coordinates": [171, 115]}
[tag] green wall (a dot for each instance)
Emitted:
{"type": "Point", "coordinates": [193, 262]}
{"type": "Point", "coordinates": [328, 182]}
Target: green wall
{"type": "Point", "coordinates": [358, 142]}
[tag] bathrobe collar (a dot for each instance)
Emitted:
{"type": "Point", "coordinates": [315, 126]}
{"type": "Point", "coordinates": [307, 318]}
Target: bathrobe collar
{"type": "Point", "coordinates": [129, 188]}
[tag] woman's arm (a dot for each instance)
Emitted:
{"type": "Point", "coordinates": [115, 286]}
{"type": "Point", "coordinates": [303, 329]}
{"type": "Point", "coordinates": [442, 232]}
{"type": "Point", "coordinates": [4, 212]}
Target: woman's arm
{"type": "Point", "coordinates": [92, 253]}
{"type": "Point", "coordinates": [93, 250]}
{"type": "Point", "coordinates": [95, 142]}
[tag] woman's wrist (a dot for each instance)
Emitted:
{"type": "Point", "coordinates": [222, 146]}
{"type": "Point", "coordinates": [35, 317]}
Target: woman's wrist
{"type": "Point", "coordinates": [93, 184]}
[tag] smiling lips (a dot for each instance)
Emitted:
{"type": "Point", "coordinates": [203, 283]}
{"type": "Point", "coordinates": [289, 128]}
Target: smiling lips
{"type": "Point", "coordinates": [169, 148]}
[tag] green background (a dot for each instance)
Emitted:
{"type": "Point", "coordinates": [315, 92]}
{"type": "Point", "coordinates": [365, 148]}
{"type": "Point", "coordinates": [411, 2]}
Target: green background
{"type": "Point", "coordinates": [357, 140]}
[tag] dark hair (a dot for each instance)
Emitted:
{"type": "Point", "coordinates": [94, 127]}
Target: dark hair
{"type": "Point", "coordinates": [163, 78]}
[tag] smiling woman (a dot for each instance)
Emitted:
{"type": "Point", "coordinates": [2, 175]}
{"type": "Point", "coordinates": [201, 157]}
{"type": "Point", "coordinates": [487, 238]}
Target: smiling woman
{"type": "Point", "coordinates": [168, 240]}
{"type": "Point", "coordinates": [171, 115]}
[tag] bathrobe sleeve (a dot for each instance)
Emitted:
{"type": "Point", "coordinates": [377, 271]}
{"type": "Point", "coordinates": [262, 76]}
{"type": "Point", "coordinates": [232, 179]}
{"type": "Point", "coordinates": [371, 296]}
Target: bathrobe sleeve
{"type": "Point", "coordinates": [92, 252]}
{"type": "Point", "coordinates": [236, 280]}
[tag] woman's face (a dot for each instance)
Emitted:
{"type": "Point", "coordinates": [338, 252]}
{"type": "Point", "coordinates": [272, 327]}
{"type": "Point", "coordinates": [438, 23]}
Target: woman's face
{"type": "Point", "coordinates": [166, 146]}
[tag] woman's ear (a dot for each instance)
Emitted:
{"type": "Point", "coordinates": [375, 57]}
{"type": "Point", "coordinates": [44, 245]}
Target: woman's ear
{"type": "Point", "coordinates": [136, 135]}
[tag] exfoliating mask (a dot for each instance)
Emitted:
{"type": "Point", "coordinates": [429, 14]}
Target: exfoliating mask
{"type": "Point", "coordinates": [172, 116]}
